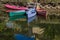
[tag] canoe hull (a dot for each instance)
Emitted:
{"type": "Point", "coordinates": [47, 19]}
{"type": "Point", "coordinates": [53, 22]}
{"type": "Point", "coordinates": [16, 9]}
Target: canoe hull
{"type": "Point", "coordinates": [15, 7]}
{"type": "Point", "coordinates": [41, 13]}
{"type": "Point", "coordinates": [16, 15]}
{"type": "Point", "coordinates": [22, 37]}
{"type": "Point", "coordinates": [21, 12]}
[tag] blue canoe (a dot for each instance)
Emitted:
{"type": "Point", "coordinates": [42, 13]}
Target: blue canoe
{"type": "Point", "coordinates": [22, 37]}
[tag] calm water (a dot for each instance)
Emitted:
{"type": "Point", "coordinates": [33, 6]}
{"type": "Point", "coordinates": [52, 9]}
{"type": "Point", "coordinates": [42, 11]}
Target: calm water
{"type": "Point", "coordinates": [51, 29]}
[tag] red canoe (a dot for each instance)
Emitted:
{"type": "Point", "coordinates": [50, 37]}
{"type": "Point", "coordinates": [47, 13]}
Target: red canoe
{"type": "Point", "coordinates": [41, 12]}
{"type": "Point", "coordinates": [11, 10]}
{"type": "Point", "coordinates": [15, 7]}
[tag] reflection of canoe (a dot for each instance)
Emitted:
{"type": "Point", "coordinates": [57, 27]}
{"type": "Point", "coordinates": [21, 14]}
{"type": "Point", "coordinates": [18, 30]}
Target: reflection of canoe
{"type": "Point", "coordinates": [15, 7]}
{"type": "Point", "coordinates": [22, 37]}
{"type": "Point", "coordinates": [31, 12]}
{"type": "Point", "coordinates": [31, 19]}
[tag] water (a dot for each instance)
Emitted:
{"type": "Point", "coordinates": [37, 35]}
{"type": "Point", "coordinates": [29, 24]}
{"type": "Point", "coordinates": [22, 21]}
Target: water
{"type": "Point", "coordinates": [47, 29]}
{"type": "Point", "coordinates": [50, 29]}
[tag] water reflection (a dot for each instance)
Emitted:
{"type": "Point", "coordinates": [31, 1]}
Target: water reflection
{"type": "Point", "coordinates": [50, 27]}
{"type": "Point", "coordinates": [51, 30]}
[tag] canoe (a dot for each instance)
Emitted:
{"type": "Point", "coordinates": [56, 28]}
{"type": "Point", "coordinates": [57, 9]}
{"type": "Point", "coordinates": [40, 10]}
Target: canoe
{"type": "Point", "coordinates": [41, 12]}
{"type": "Point", "coordinates": [31, 12]}
{"type": "Point", "coordinates": [22, 37]}
{"type": "Point", "coordinates": [17, 17]}
{"type": "Point", "coordinates": [15, 7]}
{"type": "Point", "coordinates": [15, 13]}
